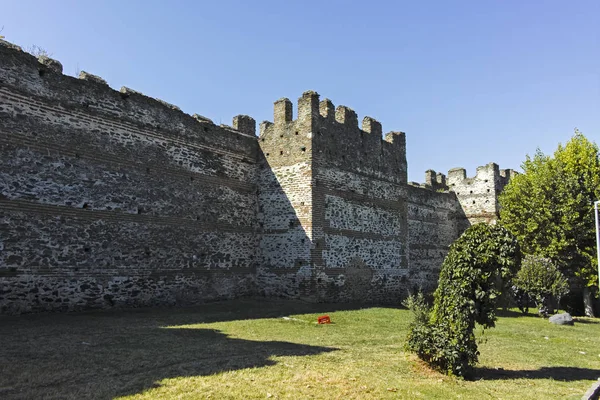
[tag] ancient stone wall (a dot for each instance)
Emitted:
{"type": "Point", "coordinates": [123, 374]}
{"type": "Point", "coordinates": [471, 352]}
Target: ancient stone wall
{"type": "Point", "coordinates": [112, 198]}
{"type": "Point", "coordinates": [361, 210]}
{"type": "Point", "coordinates": [435, 220]}
{"type": "Point", "coordinates": [342, 193]}
{"type": "Point", "coordinates": [478, 195]}
{"type": "Point", "coordinates": [442, 208]}
{"type": "Point", "coordinates": [285, 204]}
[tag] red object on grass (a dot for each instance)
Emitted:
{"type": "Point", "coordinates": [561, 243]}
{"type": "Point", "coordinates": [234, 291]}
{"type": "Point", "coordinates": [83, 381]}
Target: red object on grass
{"type": "Point", "coordinates": [324, 319]}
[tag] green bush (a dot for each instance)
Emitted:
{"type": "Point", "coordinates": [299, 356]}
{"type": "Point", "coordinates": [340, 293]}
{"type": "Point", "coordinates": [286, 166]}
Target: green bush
{"type": "Point", "coordinates": [472, 277]}
{"type": "Point", "coordinates": [542, 282]}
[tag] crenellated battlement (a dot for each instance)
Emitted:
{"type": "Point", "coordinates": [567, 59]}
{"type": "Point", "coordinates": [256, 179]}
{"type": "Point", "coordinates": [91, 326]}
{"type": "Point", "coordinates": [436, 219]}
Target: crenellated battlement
{"type": "Point", "coordinates": [327, 109]}
{"type": "Point", "coordinates": [457, 177]}
{"type": "Point", "coordinates": [435, 180]}
{"type": "Point", "coordinates": [478, 195]}
{"type": "Point", "coordinates": [346, 116]}
{"type": "Point", "coordinates": [334, 136]}
{"type": "Point", "coordinates": [24, 72]}
{"type": "Point", "coordinates": [490, 173]}
{"type": "Point", "coordinates": [372, 126]}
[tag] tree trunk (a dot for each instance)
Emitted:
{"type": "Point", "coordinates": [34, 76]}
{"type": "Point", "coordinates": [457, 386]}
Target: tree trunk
{"type": "Point", "coordinates": [588, 302]}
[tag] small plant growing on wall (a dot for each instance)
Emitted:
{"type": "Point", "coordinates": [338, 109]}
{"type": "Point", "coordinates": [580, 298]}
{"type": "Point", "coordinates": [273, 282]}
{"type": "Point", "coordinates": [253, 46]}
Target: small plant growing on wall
{"type": "Point", "coordinates": [472, 277]}
{"type": "Point", "coordinates": [38, 51]}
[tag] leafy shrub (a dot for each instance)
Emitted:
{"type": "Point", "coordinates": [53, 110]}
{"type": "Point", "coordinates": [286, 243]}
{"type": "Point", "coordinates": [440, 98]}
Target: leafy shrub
{"type": "Point", "coordinates": [541, 280]}
{"type": "Point", "coordinates": [471, 279]}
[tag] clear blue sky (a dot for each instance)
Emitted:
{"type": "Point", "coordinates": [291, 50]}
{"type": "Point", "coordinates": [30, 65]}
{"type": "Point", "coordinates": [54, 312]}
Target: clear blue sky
{"type": "Point", "coordinates": [470, 82]}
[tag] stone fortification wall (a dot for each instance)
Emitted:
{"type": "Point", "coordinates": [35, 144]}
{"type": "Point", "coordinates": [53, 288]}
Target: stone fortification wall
{"type": "Point", "coordinates": [442, 208]}
{"type": "Point", "coordinates": [478, 195]}
{"type": "Point", "coordinates": [112, 198]}
{"type": "Point", "coordinates": [435, 220]}
{"type": "Point", "coordinates": [285, 203]}
{"type": "Point", "coordinates": [361, 209]}
{"type": "Point", "coordinates": [340, 229]}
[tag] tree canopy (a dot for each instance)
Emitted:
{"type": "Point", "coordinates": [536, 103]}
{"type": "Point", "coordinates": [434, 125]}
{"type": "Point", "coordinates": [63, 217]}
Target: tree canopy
{"type": "Point", "coordinates": [549, 207]}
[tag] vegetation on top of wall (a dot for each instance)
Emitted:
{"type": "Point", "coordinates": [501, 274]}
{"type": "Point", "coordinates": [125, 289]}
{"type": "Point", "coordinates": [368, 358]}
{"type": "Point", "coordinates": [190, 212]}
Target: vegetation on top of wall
{"type": "Point", "coordinates": [38, 51]}
{"type": "Point", "coordinates": [550, 209]}
{"type": "Point", "coordinates": [473, 275]}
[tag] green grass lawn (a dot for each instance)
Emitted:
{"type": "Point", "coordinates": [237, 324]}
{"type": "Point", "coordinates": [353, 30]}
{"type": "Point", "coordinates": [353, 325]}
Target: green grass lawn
{"type": "Point", "coordinates": [244, 349]}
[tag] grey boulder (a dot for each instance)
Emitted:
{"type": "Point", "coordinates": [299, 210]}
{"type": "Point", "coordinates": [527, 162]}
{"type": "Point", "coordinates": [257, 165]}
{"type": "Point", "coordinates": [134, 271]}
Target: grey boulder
{"type": "Point", "coordinates": [561, 319]}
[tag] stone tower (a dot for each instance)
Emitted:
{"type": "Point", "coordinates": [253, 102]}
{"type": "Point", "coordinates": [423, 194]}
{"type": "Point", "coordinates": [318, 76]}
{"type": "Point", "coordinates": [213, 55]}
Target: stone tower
{"type": "Point", "coordinates": [333, 201]}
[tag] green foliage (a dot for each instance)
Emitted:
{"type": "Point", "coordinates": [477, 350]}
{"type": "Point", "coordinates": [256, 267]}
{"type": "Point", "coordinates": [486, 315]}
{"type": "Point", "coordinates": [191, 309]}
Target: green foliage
{"type": "Point", "coordinates": [472, 277]}
{"type": "Point", "coordinates": [549, 207]}
{"type": "Point", "coordinates": [541, 280]}
{"type": "Point", "coordinates": [419, 307]}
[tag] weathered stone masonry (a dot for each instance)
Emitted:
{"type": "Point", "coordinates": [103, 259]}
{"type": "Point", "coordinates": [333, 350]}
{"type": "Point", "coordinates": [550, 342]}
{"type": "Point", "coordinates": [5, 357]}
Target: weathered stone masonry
{"type": "Point", "coordinates": [111, 198]}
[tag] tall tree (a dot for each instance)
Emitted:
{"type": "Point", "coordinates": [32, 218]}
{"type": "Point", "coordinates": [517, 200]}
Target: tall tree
{"type": "Point", "coordinates": [549, 208]}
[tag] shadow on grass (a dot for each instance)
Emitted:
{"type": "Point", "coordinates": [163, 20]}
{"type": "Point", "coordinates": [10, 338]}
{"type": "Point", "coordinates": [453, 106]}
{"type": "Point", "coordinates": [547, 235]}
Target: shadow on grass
{"type": "Point", "coordinates": [513, 314]}
{"type": "Point", "coordinates": [106, 354]}
{"type": "Point", "coordinates": [565, 374]}
{"type": "Point", "coordinates": [580, 320]}
{"type": "Point", "coordinates": [233, 310]}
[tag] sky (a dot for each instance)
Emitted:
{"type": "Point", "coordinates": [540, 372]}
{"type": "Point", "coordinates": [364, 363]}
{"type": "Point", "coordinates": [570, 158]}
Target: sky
{"type": "Point", "coordinates": [470, 82]}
